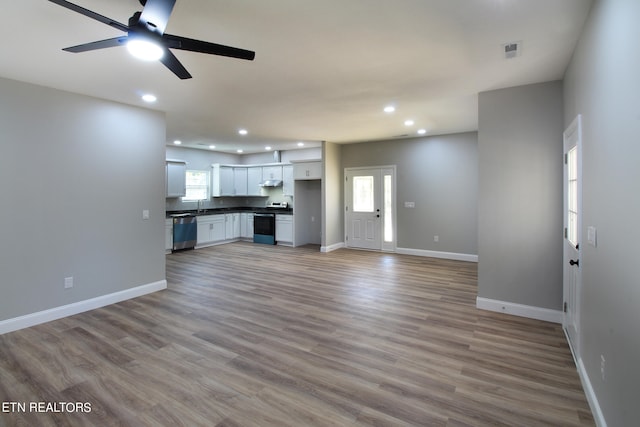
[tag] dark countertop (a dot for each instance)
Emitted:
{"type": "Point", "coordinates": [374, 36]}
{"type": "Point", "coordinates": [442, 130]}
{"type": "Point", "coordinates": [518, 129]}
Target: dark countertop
{"type": "Point", "coordinates": [217, 211]}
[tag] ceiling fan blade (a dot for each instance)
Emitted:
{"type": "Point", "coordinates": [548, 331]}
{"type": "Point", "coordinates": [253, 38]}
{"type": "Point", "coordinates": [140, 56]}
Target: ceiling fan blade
{"type": "Point", "coordinates": [156, 14]}
{"type": "Point", "coordinates": [184, 43]}
{"type": "Point", "coordinates": [172, 63]}
{"type": "Point", "coordinates": [91, 14]}
{"type": "Point", "coordinates": [100, 44]}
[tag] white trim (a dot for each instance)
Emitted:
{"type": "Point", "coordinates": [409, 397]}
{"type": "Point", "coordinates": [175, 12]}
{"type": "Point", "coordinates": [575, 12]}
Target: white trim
{"type": "Point", "coordinates": [598, 416]}
{"type": "Point", "coordinates": [333, 247]}
{"type": "Point", "coordinates": [594, 405]}
{"type": "Point", "coordinates": [438, 254]}
{"type": "Point", "coordinates": [39, 317]}
{"type": "Point", "coordinates": [522, 310]}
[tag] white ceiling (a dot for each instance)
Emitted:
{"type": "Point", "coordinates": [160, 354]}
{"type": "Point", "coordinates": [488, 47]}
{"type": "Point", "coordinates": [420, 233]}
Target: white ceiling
{"type": "Point", "coordinates": [324, 69]}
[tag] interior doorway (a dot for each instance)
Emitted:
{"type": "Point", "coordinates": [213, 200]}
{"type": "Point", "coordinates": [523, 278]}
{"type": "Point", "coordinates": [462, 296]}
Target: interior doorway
{"type": "Point", "coordinates": [370, 208]}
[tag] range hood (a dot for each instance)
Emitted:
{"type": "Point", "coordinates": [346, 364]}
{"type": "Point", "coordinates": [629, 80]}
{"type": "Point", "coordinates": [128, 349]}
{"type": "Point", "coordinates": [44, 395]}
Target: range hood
{"type": "Point", "coordinates": [271, 183]}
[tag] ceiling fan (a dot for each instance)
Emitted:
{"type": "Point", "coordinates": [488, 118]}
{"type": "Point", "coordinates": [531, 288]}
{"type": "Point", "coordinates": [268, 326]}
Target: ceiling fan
{"type": "Point", "coordinates": [146, 31]}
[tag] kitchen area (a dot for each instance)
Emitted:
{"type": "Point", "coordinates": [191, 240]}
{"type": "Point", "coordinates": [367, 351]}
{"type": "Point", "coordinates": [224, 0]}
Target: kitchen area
{"type": "Point", "coordinates": [217, 198]}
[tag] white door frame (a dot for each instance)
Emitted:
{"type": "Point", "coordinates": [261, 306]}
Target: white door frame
{"type": "Point", "coordinates": [385, 170]}
{"type": "Point", "coordinates": [572, 259]}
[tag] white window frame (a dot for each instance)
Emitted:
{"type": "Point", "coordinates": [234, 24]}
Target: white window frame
{"type": "Point", "coordinates": [190, 187]}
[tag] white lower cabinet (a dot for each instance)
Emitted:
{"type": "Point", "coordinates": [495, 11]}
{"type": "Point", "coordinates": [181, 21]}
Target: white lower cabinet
{"type": "Point", "coordinates": [232, 225]}
{"type": "Point", "coordinates": [284, 229]}
{"type": "Point", "coordinates": [221, 228]}
{"type": "Point", "coordinates": [211, 229]}
{"type": "Point", "coordinates": [246, 225]}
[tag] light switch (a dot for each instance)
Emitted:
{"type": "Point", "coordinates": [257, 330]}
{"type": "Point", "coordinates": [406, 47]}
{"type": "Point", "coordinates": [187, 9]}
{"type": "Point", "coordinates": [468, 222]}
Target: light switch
{"type": "Point", "coordinates": [145, 214]}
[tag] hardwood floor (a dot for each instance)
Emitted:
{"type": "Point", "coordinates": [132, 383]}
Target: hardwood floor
{"type": "Point", "coordinates": [257, 335]}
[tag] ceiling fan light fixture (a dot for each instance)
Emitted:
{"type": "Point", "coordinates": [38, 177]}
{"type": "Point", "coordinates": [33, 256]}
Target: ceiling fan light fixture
{"type": "Point", "coordinates": [145, 50]}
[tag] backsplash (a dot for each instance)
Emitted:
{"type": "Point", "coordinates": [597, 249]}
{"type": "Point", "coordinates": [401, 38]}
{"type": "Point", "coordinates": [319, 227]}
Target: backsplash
{"type": "Point", "coordinates": [271, 195]}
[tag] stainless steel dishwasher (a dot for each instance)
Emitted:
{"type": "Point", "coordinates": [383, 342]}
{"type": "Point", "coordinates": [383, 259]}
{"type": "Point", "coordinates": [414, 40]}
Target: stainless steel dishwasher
{"type": "Point", "coordinates": [185, 231]}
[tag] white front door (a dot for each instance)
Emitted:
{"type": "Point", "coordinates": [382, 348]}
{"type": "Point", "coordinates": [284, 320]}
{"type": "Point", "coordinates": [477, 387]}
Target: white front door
{"type": "Point", "coordinates": [370, 208]}
{"type": "Point", "coordinates": [572, 270]}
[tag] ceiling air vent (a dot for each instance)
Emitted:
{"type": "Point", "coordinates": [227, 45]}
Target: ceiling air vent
{"type": "Point", "coordinates": [511, 50]}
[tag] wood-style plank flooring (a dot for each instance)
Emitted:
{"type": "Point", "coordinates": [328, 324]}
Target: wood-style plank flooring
{"type": "Point", "coordinates": [257, 335]}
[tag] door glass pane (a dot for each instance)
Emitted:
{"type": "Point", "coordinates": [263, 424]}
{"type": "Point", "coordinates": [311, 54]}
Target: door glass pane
{"type": "Point", "coordinates": [572, 195]}
{"type": "Point", "coordinates": [388, 210]}
{"type": "Point", "coordinates": [363, 199]}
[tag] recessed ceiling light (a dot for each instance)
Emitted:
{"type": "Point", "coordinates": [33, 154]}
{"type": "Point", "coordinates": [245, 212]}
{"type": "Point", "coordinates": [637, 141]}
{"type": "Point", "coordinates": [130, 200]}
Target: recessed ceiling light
{"type": "Point", "coordinates": [408, 122]}
{"type": "Point", "coordinates": [147, 97]}
{"type": "Point", "coordinates": [212, 147]}
{"type": "Point", "coordinates": [422, 131]}
{"type": "Point", "coordinates": [144, 49]}
{"type": "Point", "coordinates": [300, 144]}
{"type": "Point", "coordinates": [243, 131]}
{"type": "Point", "coordinates": [239, 151]}
{"type": "Point", "coordinates": [389, 109]}
{"type": "Point", "coordinates": [177, 142]}
{"type": "Point", "coordinates": [267, 148]}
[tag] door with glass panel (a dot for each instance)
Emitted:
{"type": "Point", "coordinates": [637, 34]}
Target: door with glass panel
{"type": "Point", "coordinates": [572, 270]}
{"type": "Point", "coordinates": [370, 208]}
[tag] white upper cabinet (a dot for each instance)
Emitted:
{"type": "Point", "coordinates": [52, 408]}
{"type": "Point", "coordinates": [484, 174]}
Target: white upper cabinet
{"type": "Point", "coordinates": [176, 175]}
{"type": "Point", "coordinates": [271, 172]}
{"type": "Point", "coordinates": [254, 178]}
{"type": "Point", "coordinates": [307, 170]}
{"type": "Point", "coordinates": [228, 181]}
{"type": "Point", "coordinates": [222, 181]}
{"type": "Point", "coordinates": [240, 181]}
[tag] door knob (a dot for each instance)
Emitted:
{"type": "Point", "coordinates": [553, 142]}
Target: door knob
{"type": "Point", "coordinates": [575, 262]}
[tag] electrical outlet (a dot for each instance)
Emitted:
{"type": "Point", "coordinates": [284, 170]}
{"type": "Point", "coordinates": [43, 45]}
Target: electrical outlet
{"type": "Point", "coordinates": [68, 282]}
{"type": "Point", "coordinates": [602, 366]}
{"type": "Point", "coordinates": [145, 214]}
{"type": "Point", "coordinates": [436, 238]}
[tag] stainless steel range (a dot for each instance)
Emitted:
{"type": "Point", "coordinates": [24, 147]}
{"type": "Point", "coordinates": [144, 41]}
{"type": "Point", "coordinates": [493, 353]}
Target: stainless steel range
{"type": "Point", "coordinates": [264, 224]}
{"type": "Point", "coordinates": [278, 205]}
{"type": "Point", "coordinates": [264, 228]}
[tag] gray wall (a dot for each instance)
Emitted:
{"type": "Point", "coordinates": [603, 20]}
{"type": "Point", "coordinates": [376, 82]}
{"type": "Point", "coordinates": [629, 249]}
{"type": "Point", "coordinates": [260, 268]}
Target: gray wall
{"type": "Point", "coordinates": [75, 175]}
{"type": "Point", "coordinates": [332, 218]}
{"type": "Point", "coordinates": [602, 83]}
{"type": "Point", "coordinates": [520, 195]}
{"type": "Point", "coordinates": [439, 174]}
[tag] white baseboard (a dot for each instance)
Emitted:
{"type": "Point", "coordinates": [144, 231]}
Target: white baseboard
{"type": "Point", "coordinates": [332, 247]}
{"type": "Point", "coordinates": [437, 254]}
{"type": "Point", "coordinates": [522, 310]}
{"type": "Point", "coordinates": [594, 405]}
{"type": "Point", "coordinates": [39, 317]}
